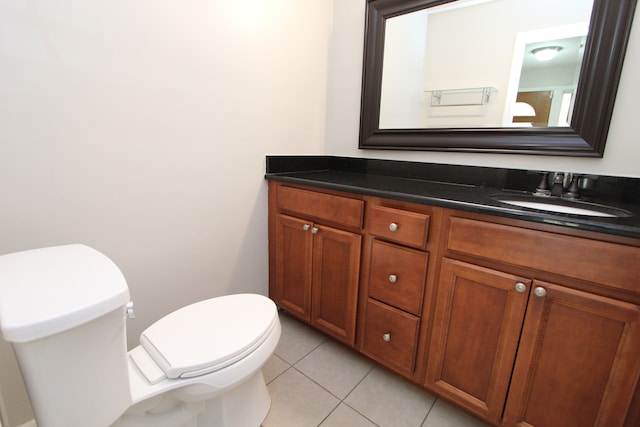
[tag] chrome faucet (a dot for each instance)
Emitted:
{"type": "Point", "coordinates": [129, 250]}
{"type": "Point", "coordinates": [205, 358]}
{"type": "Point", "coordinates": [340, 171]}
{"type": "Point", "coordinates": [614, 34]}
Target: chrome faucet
{"type": "Point", "coordinates": [560, 181]}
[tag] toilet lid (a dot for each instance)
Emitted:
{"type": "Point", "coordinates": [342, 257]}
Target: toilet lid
{"type": "Point", "coordinates": [209, 335]}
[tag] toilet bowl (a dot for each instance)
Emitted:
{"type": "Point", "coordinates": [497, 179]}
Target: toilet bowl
{"type": "Point", "coordinates": [64, 310]}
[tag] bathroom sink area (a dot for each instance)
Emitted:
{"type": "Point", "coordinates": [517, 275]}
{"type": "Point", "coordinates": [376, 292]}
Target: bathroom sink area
{"type": "Point", "coordinates": [558, 205]}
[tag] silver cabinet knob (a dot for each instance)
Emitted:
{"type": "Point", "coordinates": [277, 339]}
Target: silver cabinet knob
{"type": "Point", "coordinates": [306, 227]}
{"type": "Point", "coordinates": [386, 337]}
{"type": "Point", "coordinates": [393, 278]}
{"type": "Point", "coordinates": [521, 287]}
{"type": "Point", "coordinates": [393, 227]}
{"type": "Point", "coordinates": [314, 230]}
{"type": "Point", "coordinates": [540, 292]}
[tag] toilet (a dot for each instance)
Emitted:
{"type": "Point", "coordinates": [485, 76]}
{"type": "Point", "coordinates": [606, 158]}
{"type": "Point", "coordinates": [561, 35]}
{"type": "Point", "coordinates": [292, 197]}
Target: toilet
{"type": "Point", "coordinates": [64, 311]}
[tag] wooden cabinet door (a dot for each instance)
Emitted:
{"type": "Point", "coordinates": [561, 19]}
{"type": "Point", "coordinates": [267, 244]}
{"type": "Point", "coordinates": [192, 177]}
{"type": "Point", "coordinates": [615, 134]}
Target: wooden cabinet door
{"type": "Point", "coordinates": [477, 322]}
{"type": "Point", "coordinates": [294, 244]}
{"type": "Point", "coordinates": [578, 361]}
{"type": "Point", "coordinates": [336, 268]}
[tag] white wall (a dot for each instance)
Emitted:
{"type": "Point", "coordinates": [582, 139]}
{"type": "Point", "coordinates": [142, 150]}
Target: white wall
{"type": "Point", "coordinates": [343, 110]}
{"type": "Point", "coordinates": [141, 127]}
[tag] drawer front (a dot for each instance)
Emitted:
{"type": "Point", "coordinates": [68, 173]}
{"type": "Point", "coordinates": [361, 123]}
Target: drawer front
{"type": "Point", "coordinates": [390, 336]}
{"type": "Point", "coordinates": [310, 204]}
{"type": "Point", "coordinates": [397, 276]}
{"type": "Point", "coordinates": [612, 265]}
{"type": "Point", "coordinates": [404, 227]}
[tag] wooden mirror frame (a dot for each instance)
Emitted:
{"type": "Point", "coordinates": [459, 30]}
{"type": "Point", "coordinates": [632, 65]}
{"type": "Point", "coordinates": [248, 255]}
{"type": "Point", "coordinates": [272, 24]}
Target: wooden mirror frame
{"type": "Point", "coordinates": [595, 95]}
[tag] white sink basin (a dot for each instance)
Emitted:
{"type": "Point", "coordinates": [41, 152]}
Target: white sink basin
{"type": "Point", "coordinates": [563, 206]}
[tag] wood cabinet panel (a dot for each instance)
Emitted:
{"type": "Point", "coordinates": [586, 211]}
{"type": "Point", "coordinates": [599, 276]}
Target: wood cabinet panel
{"type": "Point", "coordinates": [314, 267]}
{"type": "Point", "coordinates": [400, 226]}
{"type": "Point", "coordinates": [458, 328]}
{"type": "Point", "coordinates": [397, 276]}
{"type": "Point", "coordinates": [337, 210]}
{"type": "Point", "coordinates": [476, 328]}
{"type": "Point", "coordinates": [390, 336]}
{"type": "Point", "coordinates": [578, 362]}
{"type": "Point", "coordinates": [293, 265]}
{"type": "Point", "coordinates": [336, 265]}
{"type": "Point", "coordinates": [607, 264]}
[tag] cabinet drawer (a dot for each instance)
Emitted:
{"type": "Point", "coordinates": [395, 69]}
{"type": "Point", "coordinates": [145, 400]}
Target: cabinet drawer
{"type": "Point", "coordinates": [404, 227]}
{"type": "Point", "coordinates": [390, 336]}
{"type": "Point", "coordinates": [397, 276]}
{"type": "Point", "coordinates": [334, 209]}
{"type": "Point", "coordinates": [609, 264]}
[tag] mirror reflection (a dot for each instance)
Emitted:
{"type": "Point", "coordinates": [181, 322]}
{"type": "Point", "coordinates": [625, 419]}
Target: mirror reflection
{"type": "Point", "coordinates": [463, 64]}
{"type": "Point", "coordinates": [547, 81]}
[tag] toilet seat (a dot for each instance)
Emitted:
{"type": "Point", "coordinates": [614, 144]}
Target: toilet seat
{"type": "Point", "coordinates": [204, 337]}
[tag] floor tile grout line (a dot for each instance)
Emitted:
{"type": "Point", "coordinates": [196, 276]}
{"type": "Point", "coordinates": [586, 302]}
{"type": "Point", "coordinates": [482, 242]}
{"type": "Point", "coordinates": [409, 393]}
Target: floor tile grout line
{"type": "Point", "coordinates": [343, 400]}
{"type": "Point", "coordinates": [424, 420]}
{"type": "Point", "coordinates": [361, 380]}
{"type": "Point", "coordinates": [324, 388]}
{"type": "Point", "coordinates": [324, 340]}
{"type": "Point", "coordinates": [330, 412]}
{"type": "Point", "coordinates": [340, 400]}
{"type": "Point", "coordinates": [279, 375]}
{"type": "Point", "coordinates": [360, 413]}
{"type": "Point", "coordinates": [303, 356]}
{"type": "Point", "coordinates": [317, 383]}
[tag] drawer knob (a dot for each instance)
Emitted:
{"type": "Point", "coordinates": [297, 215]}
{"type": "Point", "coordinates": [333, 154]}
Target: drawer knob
{"type": "Point", "coordinates": [314, 230]}
{"type": "Point", "coordinates": [393, 227]}
{"type": "Point", "coordinates": [306, 227]}
{"type": "Point", "coordinates": [386, 337]}
{"type": "Point", "coordinates": [393, 278]}
{"type": "Point", "coordinates": [540, 292]}
{"type": "Point", "coordinates": [521, 287]}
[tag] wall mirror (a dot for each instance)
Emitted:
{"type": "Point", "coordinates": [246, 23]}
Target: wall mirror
{"type": "Point", "coordinates": [468, 75]}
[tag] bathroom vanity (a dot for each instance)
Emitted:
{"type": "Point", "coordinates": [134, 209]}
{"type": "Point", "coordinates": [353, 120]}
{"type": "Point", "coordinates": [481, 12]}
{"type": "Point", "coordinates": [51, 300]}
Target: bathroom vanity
{"type": "Point", "coordinates": [518, 316]}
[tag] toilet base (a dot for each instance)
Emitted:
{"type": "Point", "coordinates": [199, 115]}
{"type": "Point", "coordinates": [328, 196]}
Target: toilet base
{"type": "Point", "coordinates": [244, 405]}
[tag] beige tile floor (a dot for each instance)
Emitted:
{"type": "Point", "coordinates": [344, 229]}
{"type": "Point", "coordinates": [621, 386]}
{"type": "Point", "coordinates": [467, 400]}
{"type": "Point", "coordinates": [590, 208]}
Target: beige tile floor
{"type": "Point", "coordinates": [315, 381]}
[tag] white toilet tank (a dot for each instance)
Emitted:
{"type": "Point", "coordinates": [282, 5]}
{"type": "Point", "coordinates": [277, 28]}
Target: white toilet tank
{"type": "Point", "coordinates": [63, 309]}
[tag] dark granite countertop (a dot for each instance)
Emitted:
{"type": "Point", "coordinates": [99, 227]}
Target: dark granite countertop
{"type": "Point", "coordinates": [467, 188]}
